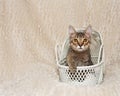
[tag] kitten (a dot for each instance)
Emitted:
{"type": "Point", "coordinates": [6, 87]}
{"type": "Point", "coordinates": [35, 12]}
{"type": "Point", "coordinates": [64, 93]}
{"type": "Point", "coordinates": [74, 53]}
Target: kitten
{"type": "Point", "coordinates": [79, 50]}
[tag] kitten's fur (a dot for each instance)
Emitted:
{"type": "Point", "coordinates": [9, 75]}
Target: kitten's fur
{"type": "Point", "coordinates": [79, 50]}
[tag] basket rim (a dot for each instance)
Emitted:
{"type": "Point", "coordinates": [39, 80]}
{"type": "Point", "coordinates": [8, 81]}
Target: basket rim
{"type": "Point", "coordinates": [83, 67]}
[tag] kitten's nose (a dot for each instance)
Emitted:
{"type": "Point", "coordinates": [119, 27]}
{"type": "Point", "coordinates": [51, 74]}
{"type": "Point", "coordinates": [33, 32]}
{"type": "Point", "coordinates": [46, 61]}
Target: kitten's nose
{"type": "Point", "coordinates": [82, 47]}
{"type": "Point", "coordinates": [80, 44]}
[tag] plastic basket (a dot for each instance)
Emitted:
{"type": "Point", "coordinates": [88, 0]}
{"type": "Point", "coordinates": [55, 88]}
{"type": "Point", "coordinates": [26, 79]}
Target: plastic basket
{"type": "Point", "coordinates": [84, 75]}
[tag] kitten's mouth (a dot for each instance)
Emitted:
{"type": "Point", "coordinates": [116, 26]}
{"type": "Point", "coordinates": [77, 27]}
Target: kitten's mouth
{"type": "Point", "coordinates": [80, 47]}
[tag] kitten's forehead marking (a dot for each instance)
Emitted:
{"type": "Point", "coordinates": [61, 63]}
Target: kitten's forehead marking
{"type": "Point", "coordinates": [80, 37]}
{"type": "Point", "coordinates": [80, 34]}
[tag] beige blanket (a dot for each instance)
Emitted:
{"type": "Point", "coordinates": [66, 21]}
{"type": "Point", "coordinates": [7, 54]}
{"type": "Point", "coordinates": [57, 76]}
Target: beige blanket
{"type": "Point", "coordinates": [29, 30]}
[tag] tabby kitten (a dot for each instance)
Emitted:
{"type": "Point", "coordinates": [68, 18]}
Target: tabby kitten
{"type": "Point", "coordinates": [79, 50]}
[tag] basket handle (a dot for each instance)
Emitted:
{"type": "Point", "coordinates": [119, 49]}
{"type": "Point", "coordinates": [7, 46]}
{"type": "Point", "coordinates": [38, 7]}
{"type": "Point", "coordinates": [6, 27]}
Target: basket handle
{"type": "Point", "coordinates": [57, 53]}
{"type": "Point", "coordinates": [101, 54]}
{"type": "Point", "coordinates": [101, 59]}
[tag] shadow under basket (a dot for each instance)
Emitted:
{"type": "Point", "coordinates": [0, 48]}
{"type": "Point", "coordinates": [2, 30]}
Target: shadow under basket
{"type": "Point", "coordinates": [84, 75]}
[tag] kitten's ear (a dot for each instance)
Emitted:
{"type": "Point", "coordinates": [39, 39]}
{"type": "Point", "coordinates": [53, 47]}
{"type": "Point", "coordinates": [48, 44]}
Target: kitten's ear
{"type": "Point", "coordinates": [88, 31]}
{"type": "Point", "coordinates": [72, 31]}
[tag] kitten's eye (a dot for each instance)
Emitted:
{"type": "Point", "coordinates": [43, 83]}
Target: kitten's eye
{"type": "Point", "coordinates": [85, 40]}
{"type": "Point", "coordinates": [75, 40]}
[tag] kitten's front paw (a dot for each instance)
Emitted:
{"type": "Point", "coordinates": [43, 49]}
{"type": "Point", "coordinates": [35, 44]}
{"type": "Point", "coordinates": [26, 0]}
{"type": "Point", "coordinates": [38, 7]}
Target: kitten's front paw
{"type": "Point", "coordinates": [73, 70]}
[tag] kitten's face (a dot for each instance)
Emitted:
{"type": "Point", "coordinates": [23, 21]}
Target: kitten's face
{"type": "Point", "coordinates": [79, 41]}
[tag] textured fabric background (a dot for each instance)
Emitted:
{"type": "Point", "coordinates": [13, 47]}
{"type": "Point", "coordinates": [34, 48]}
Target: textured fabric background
{"type": "Point", "coordinates": [29, 30]}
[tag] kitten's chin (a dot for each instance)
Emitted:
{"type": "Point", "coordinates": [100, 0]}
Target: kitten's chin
{"type": "Point", "coordinates": [81, 50]}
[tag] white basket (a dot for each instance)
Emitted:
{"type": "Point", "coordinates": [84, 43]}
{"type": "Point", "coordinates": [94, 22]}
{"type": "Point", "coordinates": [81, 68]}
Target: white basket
{"type": "Point", "coordinates": [85, 75]}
